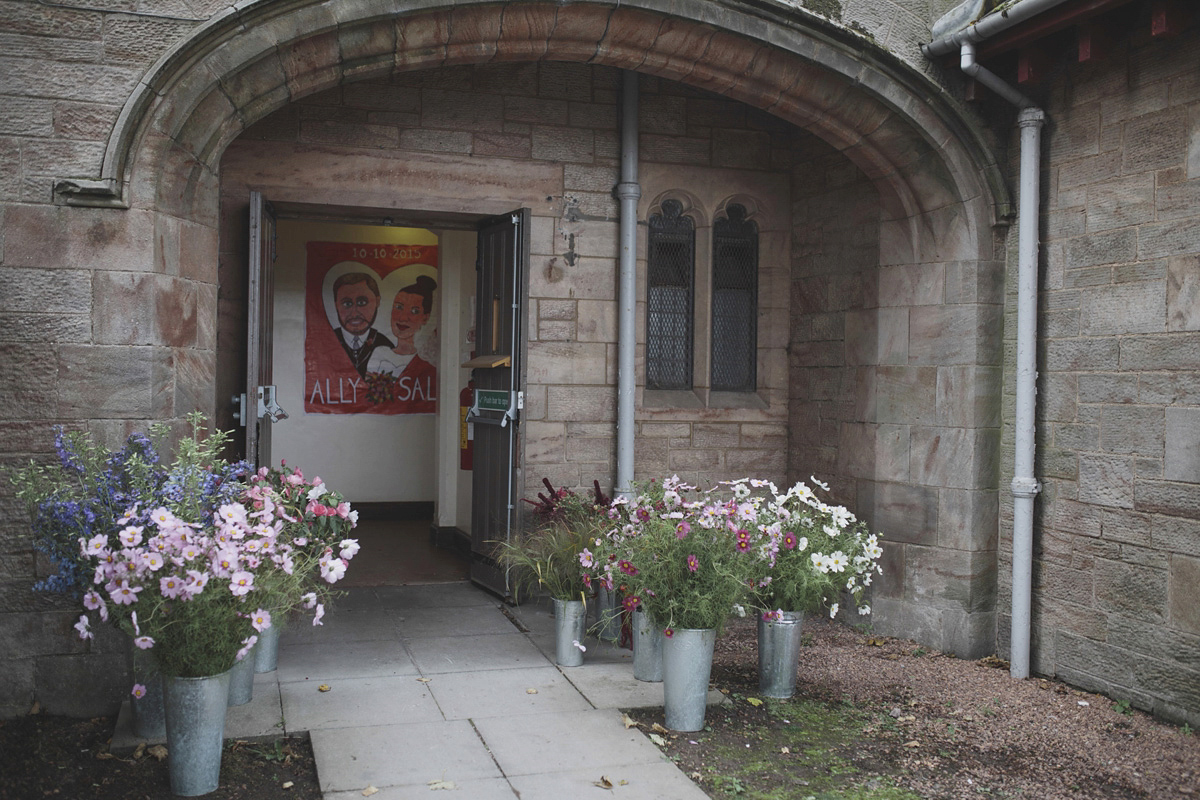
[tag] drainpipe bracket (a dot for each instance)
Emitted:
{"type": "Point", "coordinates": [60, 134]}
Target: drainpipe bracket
{"type": "Point", "coordinates": [1026, 487]}
{"type": "Point", "coordinates": [1031, 116]}
{"type": "Point", "coordinates": [629, 191]}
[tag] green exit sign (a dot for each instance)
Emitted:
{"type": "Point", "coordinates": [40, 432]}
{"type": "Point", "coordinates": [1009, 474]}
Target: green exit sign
{"type": "Point", "coordinates": [492, 399]}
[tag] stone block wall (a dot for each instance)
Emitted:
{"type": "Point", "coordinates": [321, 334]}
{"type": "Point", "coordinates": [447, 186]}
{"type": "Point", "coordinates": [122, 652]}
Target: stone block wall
{"type": "Point", "coordinates": [895, 377]}
{"type": "Point", "coordinates": [1117, 539]}
{"type": "Point", "coordinates": [493, 131]}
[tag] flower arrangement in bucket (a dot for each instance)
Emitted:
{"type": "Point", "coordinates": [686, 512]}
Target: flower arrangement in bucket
{"type": "Point", "coordinates": [809, 555]}
{"type": "Point", "coordinates": [546, 558]}
{"type": "Point", "coordinates": [186, 558]}
{"type": "Point", "coordinates": [691, 559]}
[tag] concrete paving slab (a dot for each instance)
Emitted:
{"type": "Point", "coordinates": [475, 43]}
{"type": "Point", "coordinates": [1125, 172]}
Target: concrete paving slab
{"type": "Point", "coordinates": [325, 661]}
{"type": "Point", "coordinates": [356, 702]}
{"type": "Point", "coordinates": [401, 755]}
{"type": "Point", "coordinates": [585, 740]}
{"type": "Point", "coordinates": [505, 692]}
{"type": "Point", "coordinates": [262, 718]}
{"type": "Point", "coordinates": [454, 621]}
{"type": "Point", "coordinates": [474, 653]}
{"type": "Point", "coordinates": [613, 686]}
{"type": "Point", "coordinates": [493, 789]}
{"type": "Point", "coordinates": [634, 782]}
{"type": "Point", "coordinates": [346, 626]}
{"type": "Point", "coordinates": [353, 599]}
{"type": "Point", "coordinates": [440, 595]}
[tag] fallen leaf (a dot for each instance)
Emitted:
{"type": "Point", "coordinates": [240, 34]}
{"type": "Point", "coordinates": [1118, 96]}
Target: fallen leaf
{"type": "Point", "coordinates": [424, 680]}
{"type": "Point", "coordinates": [603, 783]}
{"type": "Point", "coordinates": [324, 687]}
{"type": "Point", "coordinates": [908, 718]}
{"type": "Point", "coordinates": [658, 728]}
{"type": "Point", "coordinates": [785, 750]}
{"type": "Point", "coordinates": [104, 756]}
{"type": "Point", "coordinates": [622, 782]}
{"type": "Point", "coordinates": [36, 708]}
{"type": "Point", "coordinates": [913, 743]}
{"type": "Point", "coordinates": [435, 785]}
{"type": "Point", "coordinates": [658, 740]}
{"type": "Point", "coordinates": [695, 776]}
{"type": "Point", "coordinates": [158, 751]}
{"type": "Point", "coordinates": [875, 641]}
{"type": "Point", "coordinates": [288, 784]}
{"type": "Point", "coordinates": [140, 751]}
{"type": "Point", "coordinates": [531, 691]}
{"type": "Point", "coordinates": [754, 701]}
{"type": "Point", "coordinates": [628, 721]}
{"type": "Point", "coordinates": [370, 790]}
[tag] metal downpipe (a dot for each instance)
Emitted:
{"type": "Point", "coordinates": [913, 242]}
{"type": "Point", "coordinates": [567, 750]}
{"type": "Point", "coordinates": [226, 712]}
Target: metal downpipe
{"type": "Point", "coordinates": [628, 192]}
{"type": "Point", "coordinates": [1025, 486]}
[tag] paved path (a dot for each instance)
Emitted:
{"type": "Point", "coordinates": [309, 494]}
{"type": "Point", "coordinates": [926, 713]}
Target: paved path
{"type": "Point", "coordinates": [435, 683]}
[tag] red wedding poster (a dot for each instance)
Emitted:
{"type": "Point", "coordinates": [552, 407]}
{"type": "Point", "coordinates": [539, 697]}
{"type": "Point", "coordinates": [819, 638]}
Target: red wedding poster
{"type": "Point", "coordinates": [371, 328]}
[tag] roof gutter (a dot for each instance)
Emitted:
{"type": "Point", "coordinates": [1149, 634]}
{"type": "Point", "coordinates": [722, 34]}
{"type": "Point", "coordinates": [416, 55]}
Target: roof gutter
{"type": "Point", "coordinates": [988, 27]}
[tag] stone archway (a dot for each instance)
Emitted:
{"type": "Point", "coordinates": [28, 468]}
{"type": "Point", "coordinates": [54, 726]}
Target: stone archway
{"type": "Point", "coordinates": [938, 193]}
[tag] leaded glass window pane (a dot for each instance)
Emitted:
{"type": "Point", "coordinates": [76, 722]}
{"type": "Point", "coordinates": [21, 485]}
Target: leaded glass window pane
{"type": "Point", "coordinates": [670, 280]}
{"type": "Point", "coordinates": [735, 303]}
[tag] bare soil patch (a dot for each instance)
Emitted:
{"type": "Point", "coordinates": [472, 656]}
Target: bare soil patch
{"type": "Point", "coordinates": [44, 756]}
{"type": "Point", "coordinates": [883, 718]}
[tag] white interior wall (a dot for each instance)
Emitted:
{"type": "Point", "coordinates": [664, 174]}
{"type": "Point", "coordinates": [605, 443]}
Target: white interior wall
{"type": "Point", "coordinates": [366, 457]}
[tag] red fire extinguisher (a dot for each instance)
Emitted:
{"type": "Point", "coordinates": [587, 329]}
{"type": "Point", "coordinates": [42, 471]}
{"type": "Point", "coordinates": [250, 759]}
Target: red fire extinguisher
{"type": "Point", "coordinates": [466, 438]}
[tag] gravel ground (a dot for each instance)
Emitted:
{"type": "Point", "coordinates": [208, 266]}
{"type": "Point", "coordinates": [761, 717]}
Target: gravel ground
{"type": "Point", "coordinates": [966, 728]}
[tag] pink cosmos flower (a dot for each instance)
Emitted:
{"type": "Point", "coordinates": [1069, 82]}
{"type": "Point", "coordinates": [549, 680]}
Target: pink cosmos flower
{"type": "Point", "coordinates": [789, 540]}
{"type": "Point", "coordinates": [693, 563]}
{"type": "Point", "coordinates": [333, 570]}
{"type": "Point", "coordinates": [743, 545]}
{"type": "Point", "coordinates": [196, 581]}
{"type": "Point", "coordinates": [170, 586]}
{"type": "Point", "coordinates": [586, 559]}
{"type": "Point", "coordinates": [261, 619]}
{"type": "Point", "coordinates": [122, 593]}
{"type": "Point", "coordinates": [628, 568]}
{"type": "Point", "coordinates": [96, 545]}
{"type": "Point", "coordinates": [587, 580]}
{"type": "Point", "coordinates": [131, 536]}
{"type": "Point", "coordinates": [669, 632]}
{"type": "Point", "coordinates": [247, 644]}
{"type": "Point", "coordinates": [631, 602]}
{"type": "Point", "coordinates": [240, 583]}
{"type": "Point", "coordinates": [349, 548]}
{"type": "Point", "coordinates": [683, 529]}
{"type": "Point", "coordinates": [320, 612]}
{"type": "Point", "coordinates": [310, 599]}
{"type": "Point", "coordinates": [144, 642]}
{"type": "Point", "coordinates": [84, 628]}
{"type": "Point", "coordinates": [139, 691]}
{"type": "Point", "coordinates": [152, 560]}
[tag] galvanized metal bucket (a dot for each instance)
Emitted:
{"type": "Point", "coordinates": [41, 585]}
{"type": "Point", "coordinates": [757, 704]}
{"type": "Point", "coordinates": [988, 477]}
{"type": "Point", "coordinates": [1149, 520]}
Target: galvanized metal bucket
{"type": "Point", "coordinates": [149, 718]}
{"type": "Point", "coordinates": [647, 648]}
{"type": "Point", "coordinates": [195, 732]}
{"type": "Point", "coordinates": [266, 652]}
{"type": "Point", "coordinates": [778, 653]}
{"type": "Point", "coordinates": [570, 627]}
{"type": "Point", "coordinates": [241, 680]}
{"type": "Point", "coordinates": [687, 664]}
{"type": "Point", "coordinates": [608, 616]}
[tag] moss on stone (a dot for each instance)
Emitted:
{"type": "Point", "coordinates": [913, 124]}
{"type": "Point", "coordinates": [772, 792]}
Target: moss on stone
{"type": "Point", "coordinates": [831, 9]}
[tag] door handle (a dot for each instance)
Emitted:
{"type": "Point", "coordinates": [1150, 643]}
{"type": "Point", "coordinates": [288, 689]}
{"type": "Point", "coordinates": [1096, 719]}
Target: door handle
{"type": "Point", "coordinates": [268, 406]}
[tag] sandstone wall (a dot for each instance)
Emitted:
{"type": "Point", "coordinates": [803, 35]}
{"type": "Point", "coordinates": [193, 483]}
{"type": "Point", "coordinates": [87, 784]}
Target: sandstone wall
{"type": "Point", "coordinates": [1117, 545]}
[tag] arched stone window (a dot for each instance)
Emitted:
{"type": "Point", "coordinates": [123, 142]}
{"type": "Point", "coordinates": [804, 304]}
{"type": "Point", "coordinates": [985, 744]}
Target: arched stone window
{"type": "Point", "coordinates": [671, 278]}
{"type": "Point", "coordinates": [734, 302]}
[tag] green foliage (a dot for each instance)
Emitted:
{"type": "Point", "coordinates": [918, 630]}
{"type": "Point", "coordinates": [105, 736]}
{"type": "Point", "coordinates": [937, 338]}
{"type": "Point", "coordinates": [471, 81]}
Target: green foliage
{"type": "Point", "coordinates": [547, 556]}
{"type": "Point", "coordinates": [1123, 707]}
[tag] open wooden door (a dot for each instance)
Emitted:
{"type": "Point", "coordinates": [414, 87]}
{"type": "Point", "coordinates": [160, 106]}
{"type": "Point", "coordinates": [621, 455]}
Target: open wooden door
{"type": "Point", "coordinates": [259, 408]}
{"type": "Point", "coordinates": [497, 369]}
